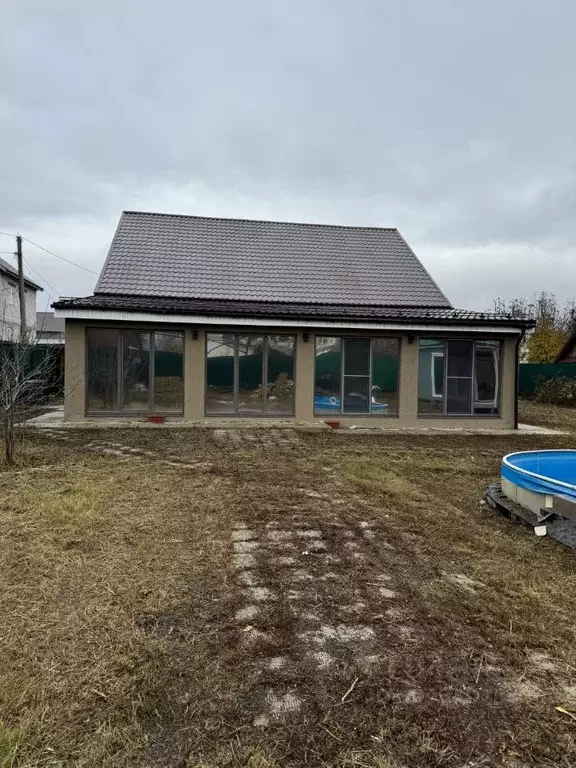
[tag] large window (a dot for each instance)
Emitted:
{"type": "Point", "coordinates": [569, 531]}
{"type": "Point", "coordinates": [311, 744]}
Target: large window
{"type": "Point", "coordinates": [134, 371]}
{"type": "Point", "coordinates": [458, 377]}
{"type": "Point", "coordinates": [249, 374]}
{"type": "Point", "coordinates": [356, 375]}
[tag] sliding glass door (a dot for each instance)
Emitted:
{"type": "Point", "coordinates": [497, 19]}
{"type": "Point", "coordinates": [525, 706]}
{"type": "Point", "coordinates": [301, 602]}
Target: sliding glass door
{"type": "Point", "coordinates": [356, 375]}
{"type": "Point", "coordinates": [129, 371]}
{"type": "Point", "coordinates": [458, 377]}
{"type": "Point", "coordinates": [249, 374]}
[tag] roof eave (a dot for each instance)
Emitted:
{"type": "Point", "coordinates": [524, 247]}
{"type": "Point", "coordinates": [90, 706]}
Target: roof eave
{"type": "Point", "coordinates": [68, 311]}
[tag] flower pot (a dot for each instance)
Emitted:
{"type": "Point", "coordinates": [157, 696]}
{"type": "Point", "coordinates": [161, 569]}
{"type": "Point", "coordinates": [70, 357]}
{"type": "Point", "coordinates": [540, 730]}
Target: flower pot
{"type": "Point", "coordinates": [333, 424]}
{"type": "Point", "coordinates": [156, 419]}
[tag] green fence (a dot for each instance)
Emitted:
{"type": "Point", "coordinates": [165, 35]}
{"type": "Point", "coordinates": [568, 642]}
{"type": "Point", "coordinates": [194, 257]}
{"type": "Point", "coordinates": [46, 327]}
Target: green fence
{"type": "Point", "coordinates": [531, 373]}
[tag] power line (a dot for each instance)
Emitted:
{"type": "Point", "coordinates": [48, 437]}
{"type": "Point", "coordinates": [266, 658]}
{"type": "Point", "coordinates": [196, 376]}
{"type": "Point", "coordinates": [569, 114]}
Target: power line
{"type": "Point", "coordinates": [39, 276]}
{"type": "Point", "coordinates": [60, 257]}
{"type": "Point", "coordinates": [8, 234]}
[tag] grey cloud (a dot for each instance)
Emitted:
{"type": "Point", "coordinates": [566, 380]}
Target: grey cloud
{"type": "Point", "coordinates": [453, 121]}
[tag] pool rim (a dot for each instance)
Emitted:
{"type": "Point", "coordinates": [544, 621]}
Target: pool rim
{"type": "Point", "coordinates": [522, 471]}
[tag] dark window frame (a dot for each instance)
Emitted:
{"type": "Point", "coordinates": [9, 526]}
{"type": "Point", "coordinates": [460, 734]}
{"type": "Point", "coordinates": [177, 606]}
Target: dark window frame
{"type": "Point", "coordinates": [264, 412]}
{"type": "Point", "coordinates": [474, 340]}
{"type": "Point", "coordinates": [119, 410]}
{"type": "Point", "coordinates": [359, 414]}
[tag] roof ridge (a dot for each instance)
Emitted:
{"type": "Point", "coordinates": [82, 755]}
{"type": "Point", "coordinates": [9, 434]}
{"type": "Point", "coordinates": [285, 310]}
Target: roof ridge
{"type": "Point", "coordinates": [261, 221]}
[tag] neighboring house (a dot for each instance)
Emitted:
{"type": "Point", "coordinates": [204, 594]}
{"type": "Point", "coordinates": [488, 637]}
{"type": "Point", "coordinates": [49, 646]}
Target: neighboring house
{"type": "Point", "coordinates": [50, 347]}
{"type": "Point", "coordinates": [568, 352]}
{"type": "Point", "coordinates": [10, 303]}
{"type": "Point", "coordinates": [49, 329]}
{"type": "Point", "coordinates": [200, 318]}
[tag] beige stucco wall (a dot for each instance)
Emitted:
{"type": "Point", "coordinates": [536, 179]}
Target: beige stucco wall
{"type": "Point", "coordinates": [194, 378]}
{"type": "Point", "coordinates": [74, 371]}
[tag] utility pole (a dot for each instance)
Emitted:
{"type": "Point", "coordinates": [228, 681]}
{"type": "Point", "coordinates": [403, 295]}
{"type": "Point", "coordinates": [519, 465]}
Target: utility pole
{"type": "Point", "coordinates": [21, 289]}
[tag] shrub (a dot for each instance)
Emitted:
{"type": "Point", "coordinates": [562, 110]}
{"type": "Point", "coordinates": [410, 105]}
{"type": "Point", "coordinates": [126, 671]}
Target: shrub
{"type": "Point", "coordinates": [561, 390]}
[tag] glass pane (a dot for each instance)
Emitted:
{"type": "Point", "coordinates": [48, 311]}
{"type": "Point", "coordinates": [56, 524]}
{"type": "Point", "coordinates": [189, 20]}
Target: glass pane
{"type": "Point", "coordinates": [430, 376]}
{"type": "Point", "coordinates": [280, 381]}
{"type": "Point", "coordinates": [250, 363]}
{"type": "Point", "coordinates": [458, 394]}
{"type": "Point", "coordinates": [102, 369]}
{"type": "Point", "coordinates": [220, 372]}
{"type": "Point", "coordinates": [327, 374]}
{"type": "Point", "coordinates": [169, 371]}
{"type": "Point", "coordinates": [356, 394]}
{"type": "Point", "coordinates": [459, 358]}
{"type": "Point", "coordinates": [135, 371]}
{"type": "Point", "coordinates": [385, 376]}
{"type": "Point", "coordinates": [356, 357]}
{"type": "Point", "coordinates": [486, 364]}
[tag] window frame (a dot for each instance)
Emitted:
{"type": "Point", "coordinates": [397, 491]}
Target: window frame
{"type": "Point", "coordinates": [264, 412]}
{"type": "Point", "coordinates": [358, 414]}
{"type": "Point", "coordinates": [433, 356]}
{"type": "Point", "coordinates": [473, 400]}
{"type": "Point", "coordinates": [119, 410]}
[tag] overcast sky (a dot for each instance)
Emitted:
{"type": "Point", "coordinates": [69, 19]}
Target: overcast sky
{"type": "Point", "coordinates": [453, 120]}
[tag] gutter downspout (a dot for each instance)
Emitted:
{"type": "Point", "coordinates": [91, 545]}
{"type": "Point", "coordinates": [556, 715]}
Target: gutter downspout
{"type": "Point", "coordinates": [517, 377]}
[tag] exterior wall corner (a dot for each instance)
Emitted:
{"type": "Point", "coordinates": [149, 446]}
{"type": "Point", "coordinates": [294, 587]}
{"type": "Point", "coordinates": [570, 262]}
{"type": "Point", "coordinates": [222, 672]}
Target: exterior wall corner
{"type": "Point", "coordinates": [75, 371]}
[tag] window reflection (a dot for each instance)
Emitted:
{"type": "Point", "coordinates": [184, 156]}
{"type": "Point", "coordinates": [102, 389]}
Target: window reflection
{"type": "Point", "coordinates": [486, 377]}
{"type": "Point", "coordinates": [101, 369]}
{"type": "Point", "coordinates": [431, 376]}
{"type": "Point", "coordinates": [135, 371]}
{"type": "Point", "coordinates": [168, 371]}
{"type": "Point", "coordinates": [385, 376]}
{"type": "Point", "coordinates": [356, 375]}
{"type": "Point", "coordinates": [220, 356]}
{"type": "Point", "coordinates": [280, 374]}
{"type": "Point", "coordinates": [119, 364]}
{"type": "Point", "coordinates": [249, 374]}
{"type": "Point", "coordinates": [327, 375]}
{"type": "Point", "coordinates": [469, 384]}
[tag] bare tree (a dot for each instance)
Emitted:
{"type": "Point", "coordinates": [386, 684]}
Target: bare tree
{"type": "Point", "coordinates": [28, 374]}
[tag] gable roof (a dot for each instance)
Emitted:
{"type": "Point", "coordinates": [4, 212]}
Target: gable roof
{"type": "Point", "coordinates": [568, 346]}
{"type": "Point", "coordinates": [194, 257]}
{"type": "Point", "coordinates": [8, 269]}
{"type": "Point", "coordinates": [47, 323]}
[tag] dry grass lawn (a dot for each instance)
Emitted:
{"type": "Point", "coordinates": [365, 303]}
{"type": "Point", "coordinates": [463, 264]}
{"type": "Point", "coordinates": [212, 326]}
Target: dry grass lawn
{"type": "Point", "coordinates": [552, 416]}
{"type": "Point", "coordinates": [272, 599]}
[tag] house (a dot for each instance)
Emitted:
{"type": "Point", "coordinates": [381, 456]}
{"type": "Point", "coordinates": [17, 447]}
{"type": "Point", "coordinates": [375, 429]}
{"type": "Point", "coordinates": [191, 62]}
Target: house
{"type": "Point", "coordinates": [10, 304]}
{"type": "Point", "coordinates": [202, 318]}
{"type": "Point", "coordinates": [50, 348]}
{"type": "Point", "coordinates": [49, 329]}
{"type": "Point", "coordinates": [568, 352]}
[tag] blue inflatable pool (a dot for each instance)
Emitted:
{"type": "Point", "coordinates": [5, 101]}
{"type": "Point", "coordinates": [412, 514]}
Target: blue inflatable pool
{"type": "Point", "coordinates": [548, 472]}
{"type": "Point", "coordinates": [326, 403]}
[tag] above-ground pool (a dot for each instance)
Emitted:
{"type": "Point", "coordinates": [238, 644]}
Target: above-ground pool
{"type": "Point", "coordinates": [546, 472]}
{"type": "Point", "coordinates": [327, 403]}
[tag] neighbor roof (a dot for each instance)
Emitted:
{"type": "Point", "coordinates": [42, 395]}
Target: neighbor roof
{"type": "Point", "coordinates": [47, 323]}
{"type": "Point", "coordinates": [567, 348]}
{"type": "Point", "coordinates": [193, 257]}
{"type": "Point", "coordinates": [8, 269]}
